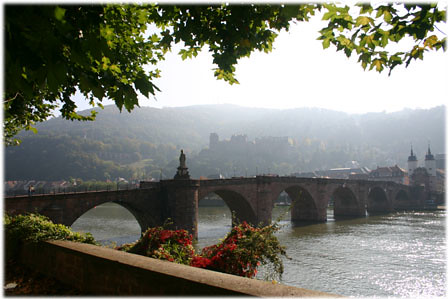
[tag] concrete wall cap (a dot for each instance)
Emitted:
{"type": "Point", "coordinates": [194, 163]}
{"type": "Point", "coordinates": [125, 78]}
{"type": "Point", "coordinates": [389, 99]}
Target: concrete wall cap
{"type": "Point", "coordinates": [251, 287]}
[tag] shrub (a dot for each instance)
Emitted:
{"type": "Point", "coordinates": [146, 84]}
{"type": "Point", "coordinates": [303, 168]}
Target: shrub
{"type": "Point", "coordinates": [35, 227]}
{"type": "Point", "coordinates": [172, 245]}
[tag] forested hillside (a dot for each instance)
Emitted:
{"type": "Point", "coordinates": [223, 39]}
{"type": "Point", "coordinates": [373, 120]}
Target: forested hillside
{"type": "Point", "coordinates": [147, 141]}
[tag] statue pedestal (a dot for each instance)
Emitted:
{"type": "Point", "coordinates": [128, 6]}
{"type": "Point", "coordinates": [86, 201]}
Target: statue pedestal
{"type": "Point", "coordinates": [182, 173]}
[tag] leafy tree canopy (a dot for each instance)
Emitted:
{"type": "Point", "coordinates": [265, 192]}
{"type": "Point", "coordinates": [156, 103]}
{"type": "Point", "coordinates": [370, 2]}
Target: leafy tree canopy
{"type": "Point", "coordinates": [112, 51]}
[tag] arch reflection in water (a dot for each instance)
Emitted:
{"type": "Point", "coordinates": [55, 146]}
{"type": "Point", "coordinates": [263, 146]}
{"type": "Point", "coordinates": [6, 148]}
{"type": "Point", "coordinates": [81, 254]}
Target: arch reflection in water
{"type": "Point", "coordinates": [108, 223]}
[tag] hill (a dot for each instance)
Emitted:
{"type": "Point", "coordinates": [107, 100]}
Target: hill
{"type": "Point", "coordinates": [141, 143]}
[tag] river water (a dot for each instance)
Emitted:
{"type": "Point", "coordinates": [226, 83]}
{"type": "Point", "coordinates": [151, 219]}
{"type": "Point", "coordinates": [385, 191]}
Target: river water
{"type": "Point", "coordinates": [400, 254]}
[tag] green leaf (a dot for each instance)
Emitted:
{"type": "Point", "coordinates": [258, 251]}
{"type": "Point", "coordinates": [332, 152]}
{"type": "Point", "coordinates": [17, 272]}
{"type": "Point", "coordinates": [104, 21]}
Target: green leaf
{"type": "Point", "coordinates": [145, 86]}
{"type": "Point", "coordinates": [384, 39]}
{"type": "Point", "coordinates": [378, 64]}
{"type": "Point", "coordinates": [363, 21]}
{"type": "Point", "coordinates": [326, 43]}
{"type": "Point", "coordinates": [348, 52]}
{"type": "Point", "coordinates": [290, 11]}
{"type": "Point", "coordinates": [115, 69]}
{"type": "Point", "coordinates": [59, 13]}
{"type": "Point", "coordinates": [431, 41]}
{"type": "Point", "coordinates": [387, 16]}
{"type": "Point", "coordinates": [365, 8]}
{"type": "Point", "coordinates": [328, 15]}
{"type": "Point", "coordinates": [98, 92]}
{"type": "Point", "coordinates": [32, 129]}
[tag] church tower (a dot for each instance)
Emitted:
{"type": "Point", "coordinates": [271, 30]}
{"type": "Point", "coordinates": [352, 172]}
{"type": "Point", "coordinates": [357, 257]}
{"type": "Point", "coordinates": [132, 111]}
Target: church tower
{"type": "Point", "coordinates": [430, 163]}
{"type": "Point", "coordinates": [412, 163]}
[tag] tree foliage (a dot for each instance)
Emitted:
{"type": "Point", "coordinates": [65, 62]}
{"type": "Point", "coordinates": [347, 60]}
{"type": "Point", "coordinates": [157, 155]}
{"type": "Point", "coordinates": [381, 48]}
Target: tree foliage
{"type": "Point", "coordinates": [370, 32]}
{"type": "Point", "coordinates": [112, 51]}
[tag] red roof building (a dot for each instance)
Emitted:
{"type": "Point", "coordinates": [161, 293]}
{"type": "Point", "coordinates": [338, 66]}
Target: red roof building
{"type": "Point", "coordinates": [391, 173]}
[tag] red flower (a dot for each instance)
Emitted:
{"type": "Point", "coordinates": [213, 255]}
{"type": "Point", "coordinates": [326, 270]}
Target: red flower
{"type": "Point", "coordinates": [165, 234]}
{"type": "Point", "coordinates": [200, 262]}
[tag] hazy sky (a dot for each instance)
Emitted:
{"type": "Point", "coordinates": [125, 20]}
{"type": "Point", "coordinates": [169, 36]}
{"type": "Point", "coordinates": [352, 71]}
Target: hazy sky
{"type": "Point", "coordinates": [300, 73]}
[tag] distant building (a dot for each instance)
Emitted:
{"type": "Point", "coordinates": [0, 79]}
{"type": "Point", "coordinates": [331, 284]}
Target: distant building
{"type": "Point", "coordinates": [440, 181]}
{"type": "Point", "coordinates": [216, 176]}
{"type": "Point", "coordinates": [344, 173]}
{"type": "Point", "coordinates": [358, 176]}
{"type": "Point", "coordinates": [390, 173]}
{"type": "Point", "coordinates": [310, 174]}
{"type": "Point", "coordinates": [430, 163]}
{"type": "Point", "coordinates": [430, 175]}
{"type": "Point", "coordinates": [440, 161]}
{"type": "Point", "coordinates": [412, 163]}
{"type": "Point", "coordinates": [336, 173]}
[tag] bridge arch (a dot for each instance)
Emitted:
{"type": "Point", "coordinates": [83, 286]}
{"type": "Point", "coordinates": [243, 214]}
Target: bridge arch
{"type": "Point", "coordinates": [303, 205]}
{"type": "Point", "coordinates": [80, 210]}
{"type": "Point", "coordinates": [401, 199]}
{"type": "Point", "coordinates": [108, 220]}
{"type": "Point", "coordinates": [401, 196]}
{"type": "Point", "coordinates": [377, 201]}
{"type": "Point", "coordinates": [345, 203]}
{"type": "Point", "coordinates": [238, 205]}
{"type": "Point", "coordinates": [67, 208]}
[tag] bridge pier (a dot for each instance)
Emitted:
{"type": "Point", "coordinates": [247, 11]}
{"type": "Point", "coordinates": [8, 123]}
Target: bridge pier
{"type": "Point", "coordinates": [181, 204]}
{"type": "Point", "coordinates": [265, 199]}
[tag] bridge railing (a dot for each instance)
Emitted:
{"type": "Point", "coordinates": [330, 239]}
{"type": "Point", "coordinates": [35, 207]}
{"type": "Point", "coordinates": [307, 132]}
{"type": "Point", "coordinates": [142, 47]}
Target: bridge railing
{"type": "Point", "coordinates": [70, 189]}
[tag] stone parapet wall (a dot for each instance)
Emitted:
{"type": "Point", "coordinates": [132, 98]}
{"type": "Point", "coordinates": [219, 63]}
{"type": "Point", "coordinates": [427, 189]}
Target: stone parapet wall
{"type": "Point", "coordinates": [104, 271]}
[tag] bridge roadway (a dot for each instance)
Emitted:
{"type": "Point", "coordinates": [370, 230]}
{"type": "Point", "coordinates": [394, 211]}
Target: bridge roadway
{"type": "Point", "coordinates": [251, 199]}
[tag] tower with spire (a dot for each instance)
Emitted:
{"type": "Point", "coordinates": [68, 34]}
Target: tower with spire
{"type": "Point", "coordinates": [430, 163]}
{"type": "Point", "coordinates": [412, 163]}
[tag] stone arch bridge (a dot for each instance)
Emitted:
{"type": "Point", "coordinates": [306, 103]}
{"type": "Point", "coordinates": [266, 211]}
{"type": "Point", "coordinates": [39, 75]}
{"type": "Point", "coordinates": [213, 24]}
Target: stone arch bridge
{"type": "Point", "coordinates": [251, 199]}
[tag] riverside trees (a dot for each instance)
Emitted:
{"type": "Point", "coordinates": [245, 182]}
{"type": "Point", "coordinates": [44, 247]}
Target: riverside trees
{"type": "Point", "coordinates": [111, 51]}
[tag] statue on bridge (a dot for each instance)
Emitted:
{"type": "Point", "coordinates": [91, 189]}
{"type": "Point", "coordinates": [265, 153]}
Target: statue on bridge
{"type": "Point", "coordinates": [182, 170]}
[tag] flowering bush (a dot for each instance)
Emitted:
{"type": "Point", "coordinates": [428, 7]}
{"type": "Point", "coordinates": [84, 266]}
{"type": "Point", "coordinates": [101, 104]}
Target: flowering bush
{"type": "Point", "coordinates": [243, 250]}
{"type": "Point", "coordinates": [239, 253]}
{"type": "Point", "coordinates": [172, 245]}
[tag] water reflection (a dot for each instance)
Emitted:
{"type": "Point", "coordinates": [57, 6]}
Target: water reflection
{"type": "Point", "coordinates": [214, 223]}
